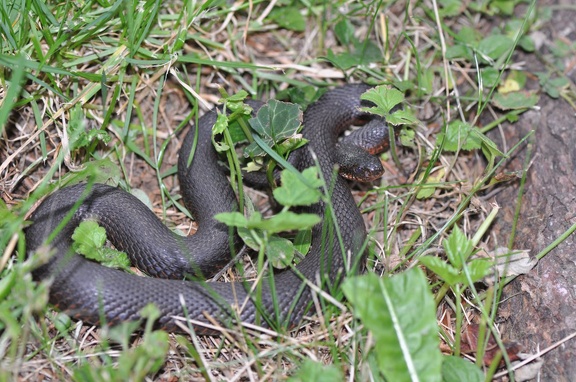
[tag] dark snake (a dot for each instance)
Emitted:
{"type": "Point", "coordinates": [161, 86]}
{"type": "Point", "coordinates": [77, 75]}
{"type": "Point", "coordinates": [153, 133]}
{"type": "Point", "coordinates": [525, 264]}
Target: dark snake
{"type": "Point", "coordinates": [96, 294]}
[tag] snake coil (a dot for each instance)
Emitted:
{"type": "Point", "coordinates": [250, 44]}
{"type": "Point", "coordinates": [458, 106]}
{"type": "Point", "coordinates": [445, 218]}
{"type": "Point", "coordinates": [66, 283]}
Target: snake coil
{"type": "Point", "coordinates": [96, 294]}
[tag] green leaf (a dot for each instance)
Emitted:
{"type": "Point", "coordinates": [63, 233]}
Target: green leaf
{"type": "Point", "coordinates": [407, 137]}
{"type": "Point", "coordinates": [89, 239]}
{"type": "Point", "coordinates": [361, 55]}
{"type": "Point", "coordinates": [344, 31]}
{"type": "Point", "coordinates": [402, 117]}
{"type": "Point", "coordinates": [490, 77]}
{"type": "Point", "coordinates": [289, 18]}
{"type": "Point", "coordinates": [442, 269]}
{"type": "Point", "coordinates": [479, 268]}
{"type": "Point", "coordinates": [218, 128]}
{"type": "Point", "coordinates": [283, 221]}
{"type": "Point", "coordinates": [428, 187]}
{"type": "Point", "coordinates": [274, 122]}
{"type": "Point", "coordinates": [317, 372]}
{"type": "Point", "coordinates": [458, 247]}
{"type": "Point", "coordinates": [280, 252]}
{"type": "Point", "coordinates": [343, 61]}
{"type": "Point", "coordinates": [113, 259]}
{"type": "Point", "coordinates": [495, 46]}
{"type": "Point", "coordinates": [401, 314]}
{"type": "Point", "coordinates": [460, 135]}
{"type": "Point", "coordinates": [384, 98]}
{"type": "Point", "coordinates": [235, 101]}
{"type": "Point", "coordinates": [515, 100]}
{"type": "Point", "coordinates": [459, 51]}
{"type": "Point", "coordinates": [468, 35]}
{"type": "Point", "coordinates": [294, 192]}
{"type": "Point", "coordinates": [303, 241]}
{"type": "Point", "coordinates": [527, 43]}
{"type": "Point", "coordinates": [248, 238]}
{"type": "Point", "coordinates": [12, 88]}
{"type": "Point", "coordinates": [290, 144]}
{"type": "Point", "coordinates": [553, 86]}
{"type": "Point", "coordinates": [456, 369]}
{"type": "Point", "coordinates": [450, 8]}
{"type": "Point", "coordinates": [303, 96]}
{"type": "Point", "coordinates": [233, 219]}
{"type": "Point", "coordinates": [287, 221]}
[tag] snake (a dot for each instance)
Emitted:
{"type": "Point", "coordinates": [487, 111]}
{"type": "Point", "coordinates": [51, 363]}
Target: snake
{"type": "Point", "coordinates": [177, 265]}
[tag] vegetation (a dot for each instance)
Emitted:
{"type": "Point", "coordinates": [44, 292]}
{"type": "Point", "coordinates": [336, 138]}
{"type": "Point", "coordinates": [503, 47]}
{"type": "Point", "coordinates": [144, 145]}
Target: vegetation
{"type": "Point", "coordinates": [102, 90]}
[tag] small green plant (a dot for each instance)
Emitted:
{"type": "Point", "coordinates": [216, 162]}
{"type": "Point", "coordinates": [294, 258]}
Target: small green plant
{"type": "Point", "coordinates": [89, 239]}
{"type": "Point", "coordinates": [401, 315]}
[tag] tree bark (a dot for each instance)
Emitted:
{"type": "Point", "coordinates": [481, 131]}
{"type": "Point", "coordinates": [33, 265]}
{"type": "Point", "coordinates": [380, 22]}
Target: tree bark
{"type": "Point", "coordinates": [539, 308]}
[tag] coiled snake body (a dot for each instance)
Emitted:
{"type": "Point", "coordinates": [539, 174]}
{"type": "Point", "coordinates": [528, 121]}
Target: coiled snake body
{"type": "Point", "coordinates": [92, 292]}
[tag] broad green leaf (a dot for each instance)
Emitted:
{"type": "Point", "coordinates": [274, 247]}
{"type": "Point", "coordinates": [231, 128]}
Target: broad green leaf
{"type": "Point", "coordinates": [303, 241]}
{"type": "Point", "coordinates": [384, 98]}
{"type": "Point", "coordinates": [489, 77]}
{"type": "Point", "coordinates": [289, 18]}
{"type": "Point", "coordinates": [442, 269]}
{"type": "Point", "coordinates": [89, 238]}
{"type": "Point", "coordinates": [479, 268]}
{"type": "Point", "coordinates": [344, 31]}
{"type": "Point", "coordinates": [460, 136]}
{"type": "Point", "coordinates": [468, 35]}
{"type": "Point", "coordinates": [402, 117]}
{"type": "Point", "coordinates": [527, 43]}
{"type": "Point", "coordinates": [274, 122]}
{"type": "Point", "coordinates": [451, 8]}
{"type": "Point", "coordinates": [280, 251]}
{"type": "Point", "coordinates": [283, 221]}
{"type": "Point", "coordinates": [287, 221]}
{"type": "Point", "coordinates": [515, 100]}
{"type": "Point", "coordinates": [429, 187]}
{"type": "Point", "coordinates": [401, 314]}
{"type": "Point", "coordinates": [247, 237]}
{"type": "Point", "coordinates": [495, 46]}
{"type": "Point", "coordinates": [458, 247]}
{"type": "Point", "coordinates": [293, 192]}
{"type": "Point", "coordinates": [343, 61]}
{"type": "Point", "coordinates": [407, 137]}
{"type": "Point", "coordinates": [232, 219]}
{"type": "Point", "coordinates": [317, 372]}
{"type": "Point", "coordinates": [458, 51]}
{"type": "Point", "coordinates": [113, 259]}
{"type": "Point", "coordinates": [456, 369]}
{"type": "Point", "coordinates": [304, 95]}
{"type": "Point", "coordinates": [361, 55]}
{"type": "Point", "coordinates": [235, 101]}
{"type": "Point", "coordinates": [504, 6]}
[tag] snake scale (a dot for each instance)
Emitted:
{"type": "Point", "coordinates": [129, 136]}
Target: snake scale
{"type": "Point", "coordinates": [96, 294]}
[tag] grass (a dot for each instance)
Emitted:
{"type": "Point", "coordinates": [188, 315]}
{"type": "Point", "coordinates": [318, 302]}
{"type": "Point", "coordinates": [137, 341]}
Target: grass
{"type": "Point", "coordinates": [106, 87]}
